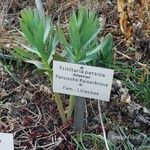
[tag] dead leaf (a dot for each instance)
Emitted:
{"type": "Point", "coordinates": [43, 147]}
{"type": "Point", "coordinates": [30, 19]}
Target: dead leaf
{"type": "Point", "coordinates": [45, 89]}
{"type": "Point", "coordinates": [123, 22]}
{"type": "Point", "coordinates": [126, 98]}
{"type": "Point", "coordinates": [2, 93]}
{"type": "Point", "coordinates": [138, 56]}
{"type": "Point", "coordinates": [144, 75]}
{"type": "Point", "coordinates": [120, 5]}
{"type": "Point", "coordinates": [130, 1]}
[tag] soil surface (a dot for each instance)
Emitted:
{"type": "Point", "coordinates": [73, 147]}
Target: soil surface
{"type": "Point", "coordinates": [28, 110]}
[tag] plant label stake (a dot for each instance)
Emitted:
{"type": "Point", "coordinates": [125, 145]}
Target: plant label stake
{"type": "Point", "coordinates": [79, 109]}
{"type": "Point", "coordinates": [83, 82]}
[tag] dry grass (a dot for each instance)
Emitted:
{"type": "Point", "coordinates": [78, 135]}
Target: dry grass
{"type": "Point", "coordinates": [4, 7]}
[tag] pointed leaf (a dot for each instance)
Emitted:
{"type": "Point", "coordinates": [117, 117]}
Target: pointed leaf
{"type": "Point", "coordinates": [27, 33]}
{"type": "Point", "coordinates": [40, 10]}
{"type": "Point", "coordinates": [74, 36]}
{"type": "Point", "coordinates": [96, 50]}
{"type": "Point", "coordinates": [38, 64]}
{"type": "Point", "coordinates": [64, 41]}
{"type": "Point", "coordinates": [33, 50]}
{"type": "Point", "coordinates": [47, 28]}
{"type": "Point", "coordinates": [23, 53]}
{"type": "Point", "coordinates": [107, 44]}
{"type": "Point", "coordinates": [91, 39]}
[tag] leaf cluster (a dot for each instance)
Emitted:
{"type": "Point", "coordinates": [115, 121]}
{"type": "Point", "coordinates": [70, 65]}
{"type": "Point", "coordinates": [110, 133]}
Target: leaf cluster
{"type": "Point", "coordinates": [83, 46]}
{"type": "Point", "coordinates": [39, 33]}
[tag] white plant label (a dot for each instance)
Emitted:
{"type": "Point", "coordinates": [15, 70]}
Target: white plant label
{"type": "Point", "coordinates": [6, 141]}
{"type": "Point", "coordinates": [81, 80]}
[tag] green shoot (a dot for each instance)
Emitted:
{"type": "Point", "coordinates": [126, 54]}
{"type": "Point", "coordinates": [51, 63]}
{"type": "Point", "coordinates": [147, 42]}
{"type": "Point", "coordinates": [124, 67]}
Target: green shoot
{"type": "Point", "coordinates": [82, 46]}
{"type": "Point", "coordinates": [38, 31]}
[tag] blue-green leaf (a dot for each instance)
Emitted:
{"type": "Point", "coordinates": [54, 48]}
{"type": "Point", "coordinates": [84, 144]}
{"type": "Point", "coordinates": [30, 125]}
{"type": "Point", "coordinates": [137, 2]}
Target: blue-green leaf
{"type": "Point", "coordinates": [23, 53]}
{"type": "Point", "coordinates": [64, 41]}
{"type": "Point", "coordinates": [38, 64]}
{"type": "Point", "coordinates": [95, 51]}
{"type": "Point", "coordinates": [74, 36]}
{"type": "Point", "coordinates": [33, 50]}
{"type": "Point", "coordinates": [40, 10]}
{"type": "Point", "coordinates": [107, 45]}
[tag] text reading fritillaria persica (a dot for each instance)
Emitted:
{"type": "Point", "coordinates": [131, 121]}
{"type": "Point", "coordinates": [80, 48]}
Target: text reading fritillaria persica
{"type": "Point", "coordinates": [82, 80]}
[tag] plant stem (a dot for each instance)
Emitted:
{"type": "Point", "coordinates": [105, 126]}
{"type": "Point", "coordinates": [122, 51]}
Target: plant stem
{"type": "Point", "coordinates": [57, 96]}
{"type": "Point", "coordinates": [71, 107]}
{"type": "Point", "coordinates": [58, 101]}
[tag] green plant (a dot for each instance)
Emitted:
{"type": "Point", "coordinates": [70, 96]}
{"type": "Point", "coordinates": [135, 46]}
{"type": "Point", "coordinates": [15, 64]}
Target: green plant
{"type": "Point", "coordinates": [136, 80]}
{"type": "Point", "coordinates": [86, 141]}
{"type": "Point", "coordinates": [140, 89]}
{"type": "Point", "coordinates": [82, 46]}
{"type": "Point", "coordinates": [127, 138]}
{"type": "Point", "coordinates": [126, 141]}
{"type": "Point", "coordinates": [38, 31]}
{"type": "Point", "coordinates": [8, 69]}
